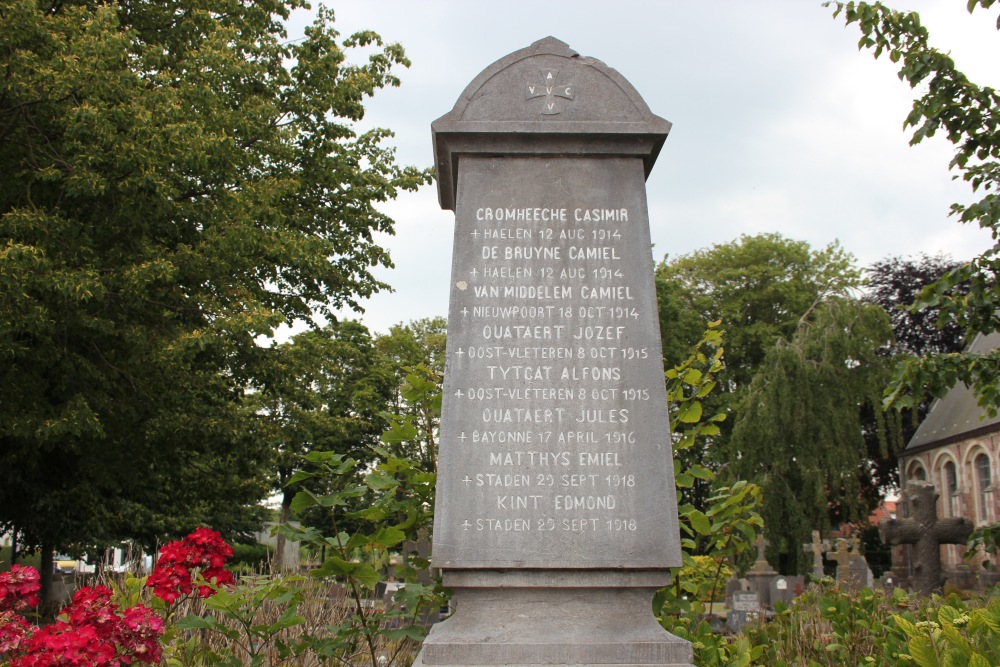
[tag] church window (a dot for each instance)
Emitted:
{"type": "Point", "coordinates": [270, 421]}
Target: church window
{"type": "Point", "coordinates": [951, 477]}
{"type": "Point", "coordinates": [951, 485]}
{"type": "Point", "coordinates": [983, 481]}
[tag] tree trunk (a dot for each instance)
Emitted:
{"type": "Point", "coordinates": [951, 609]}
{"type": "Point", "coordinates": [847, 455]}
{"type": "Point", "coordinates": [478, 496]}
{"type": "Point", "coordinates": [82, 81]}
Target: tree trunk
{"type": "Point", "coordinates": [279, 543]}
{"type": "Point", "coordinates": [45, 568]}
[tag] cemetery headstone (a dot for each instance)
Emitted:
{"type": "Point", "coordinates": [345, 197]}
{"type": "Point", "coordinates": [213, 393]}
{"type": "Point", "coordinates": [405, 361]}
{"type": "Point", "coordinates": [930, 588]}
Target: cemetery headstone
{"type": "Point", "coordinates": [556, 518]}
{"type": "Point", "coordinates": [840, 555]}
{"type": "Point", "coordinates": [817, 548]}
{"type": "Point", "coordinates": [745, 606]}
{"type": "Point", "coordinates": [859, 571]}
{"type": "Point", "coordinates": [926, 532]}
{"type": "Point", "coordinates": [761, 574]}
{"type": "Point", "coordinates": [735, 585]}
{"type": "Point", "coordinates": [784, 589]}
{"type": "Point", "coordinates": [852, 569]}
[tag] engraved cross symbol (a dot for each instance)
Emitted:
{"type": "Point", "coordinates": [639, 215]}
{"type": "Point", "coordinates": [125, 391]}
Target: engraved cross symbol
{"type": "Point", "coordinates": [551, 90]}
{"type": "Point", "coordinates": [467, 480]}
{"type": "Point", "coordinates": [465, 311]}
{"type": "Point", "coordinates": [463, 436]}
{"type": "Point", "coordinates": [466, 525]}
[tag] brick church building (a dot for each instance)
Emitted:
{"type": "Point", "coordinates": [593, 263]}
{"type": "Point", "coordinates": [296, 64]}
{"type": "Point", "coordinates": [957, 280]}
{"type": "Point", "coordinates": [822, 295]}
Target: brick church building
{"type": "Point", "coordinates": [957, 448]}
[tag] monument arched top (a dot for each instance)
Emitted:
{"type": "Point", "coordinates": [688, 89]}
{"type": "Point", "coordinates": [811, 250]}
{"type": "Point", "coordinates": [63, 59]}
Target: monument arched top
{"type": "Point", "coordinates": [545, 99]}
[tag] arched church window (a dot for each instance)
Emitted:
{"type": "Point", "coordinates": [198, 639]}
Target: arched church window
{"type": "Point", "coordinates": [951, 486]}
{"type": "Point", "coordinates": [951, 477]}
{"type": "Point", "coordinates": [983, 480]}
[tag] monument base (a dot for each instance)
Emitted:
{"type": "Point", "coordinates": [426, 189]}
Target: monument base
{"type": "Point", "coordinates": [553, 617]}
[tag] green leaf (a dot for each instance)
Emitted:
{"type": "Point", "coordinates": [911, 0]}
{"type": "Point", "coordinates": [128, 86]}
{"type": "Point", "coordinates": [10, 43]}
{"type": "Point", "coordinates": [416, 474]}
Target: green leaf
{"type": "Point", "coordinates": [906, 626]}
{"type": "Point", "coordinates": [197, 622]}
{"type": "Point", "coordinates": [690, 412]}
{"type": "Point", "coordinates": [700, 522]}
{"type": "Point", "coordinates": [692, 376]}
{"type": "Point", "coordinates": [922, 650]}
{"type": "Point", "coordinates": [387, 537]}
{"type": "Point", "coordinates": [331, 567]}
{"type": "Point", "coordinates": [978, 660]}
{"type": "Point", "coordinates": [380, 481]}
{"type": "Point", "coordinates": [701, 472]}
{"type": "Point", "coordinates": [413, 632]}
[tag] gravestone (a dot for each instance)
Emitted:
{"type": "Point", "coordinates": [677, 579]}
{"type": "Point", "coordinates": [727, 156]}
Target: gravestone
{"type": "Point", "coordinates": [556, 518]}
{"type": "Point", "coordinates": [735, 585]}
{"type": "Point", "coordinates": [817, 548]}
{"type": "Point", "coordinates": [744, 608]}
{"type": "Point", "coordinates": [888, 582]}
{"type": "Point", "coordinates": [761, 574]}
{"type": "Point", "coordinates": [784, 589]}
{"type": "Point", "coordinates": [926, 533]}
{"type": "Point", "coordinates": [852, 569]}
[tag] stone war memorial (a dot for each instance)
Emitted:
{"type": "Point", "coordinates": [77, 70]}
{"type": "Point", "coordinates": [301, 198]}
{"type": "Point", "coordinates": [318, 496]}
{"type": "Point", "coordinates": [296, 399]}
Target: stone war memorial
{"type": "Point", "coordinates": [556, 516]}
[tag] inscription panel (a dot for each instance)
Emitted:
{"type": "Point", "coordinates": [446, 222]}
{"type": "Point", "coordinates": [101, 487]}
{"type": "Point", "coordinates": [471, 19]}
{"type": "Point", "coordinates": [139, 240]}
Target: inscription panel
{"type": "Point", "coordinates": [555, 445]}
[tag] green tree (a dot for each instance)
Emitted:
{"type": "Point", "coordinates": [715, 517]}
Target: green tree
{"type": "Point", "coordinates": [894, 283]}
{"type": "Point", "coordinates": [179, 179]}
{"type": "Point", "coordinates": [800, 430]}
{"type": "Point", "coordinates": [416, 352]}
{"type": "Point", "coordinates": [324, 390]}
{"type": "Point", "coordinates": [969, 117]}
{"type": "Point", "coordinates": [759, 287]}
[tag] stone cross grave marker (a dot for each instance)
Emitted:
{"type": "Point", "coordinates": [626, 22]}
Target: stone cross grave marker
{"type": "Point", "coordinates": [761, 566]}
{"type": "Point", "coordinates": [926, 532]}
{"type": "Point", "coordinates": [849, 574]}
{"type": "Point", "coordinates": [761, 574]}
{"type": "Point", "coordinates": [556, 518]}
{"type": "Point", "coordinates": [817, 548]}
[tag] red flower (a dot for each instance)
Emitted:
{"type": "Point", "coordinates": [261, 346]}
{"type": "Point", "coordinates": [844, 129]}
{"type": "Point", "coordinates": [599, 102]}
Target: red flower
{"type": "Point", "coordinates": [202, 551]}
{"type": "Point", "coordinates": [92, 632]}
{"type": "Point", "coordinates": [19, 588]}
{"type": "Point", "coordinates": [139, 634]}
{"type": "Point", "coordinates": [62, 644]}
{"type": "Point", "coordinates": [14, 631]}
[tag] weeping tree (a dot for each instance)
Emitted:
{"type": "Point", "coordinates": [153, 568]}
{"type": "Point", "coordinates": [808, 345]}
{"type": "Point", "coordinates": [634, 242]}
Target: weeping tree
{"type": "Point", "coordinates": [802, 425]}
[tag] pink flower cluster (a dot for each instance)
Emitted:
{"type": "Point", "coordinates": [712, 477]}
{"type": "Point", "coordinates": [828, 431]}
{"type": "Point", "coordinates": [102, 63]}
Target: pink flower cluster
{"type": "Point", "coordinates": [19, 588]}
{"type": "Point", "coordinates": [91, 631]}
{"type": "Point", "coordinates": [203, 551]}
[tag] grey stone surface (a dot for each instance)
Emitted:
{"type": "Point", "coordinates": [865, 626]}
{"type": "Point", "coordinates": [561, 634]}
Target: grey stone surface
{"type": "Point", "coordinates": [734, 586]}
{"type": "Point", "coordinates": [784, 589]}
{"type": "Point", "coordinates": [514, 106]}
{"type": "Point", "coordinates": [761, 574]}
{"type": "Point", "coordinates": [926, 532]}
{"type": "Point", "coordinates": [817, 548]}
{"type": "Point", "coordinates": [556, 518]}
{"type": "Point", "coordinates": [554, 393]}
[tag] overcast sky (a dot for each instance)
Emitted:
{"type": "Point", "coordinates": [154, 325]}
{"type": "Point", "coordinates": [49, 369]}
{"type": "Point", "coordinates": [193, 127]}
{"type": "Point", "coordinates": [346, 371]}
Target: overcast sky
{"type": "Point", "coordinates": [779, 123]}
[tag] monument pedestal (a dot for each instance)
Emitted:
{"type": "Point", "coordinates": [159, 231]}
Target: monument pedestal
{"type": "Point", "coordinates": [556, 517]}
{"type": "Point", "coordinates": [544, 617]}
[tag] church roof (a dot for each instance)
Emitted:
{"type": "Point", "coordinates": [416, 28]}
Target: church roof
{"type": "Point", "coordinates": [957, 415]}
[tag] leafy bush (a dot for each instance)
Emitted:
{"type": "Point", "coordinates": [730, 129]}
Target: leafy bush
{"type": "Point", "coordinates": [828, 626]}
